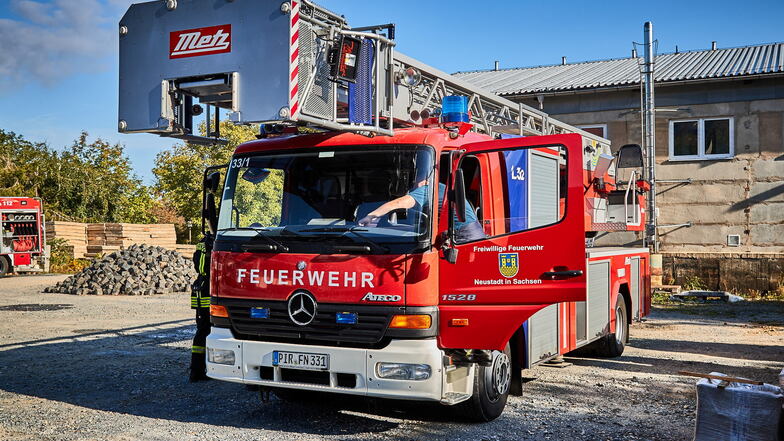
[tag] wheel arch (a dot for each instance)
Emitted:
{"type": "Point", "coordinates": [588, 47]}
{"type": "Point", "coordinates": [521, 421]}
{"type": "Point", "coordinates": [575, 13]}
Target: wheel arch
{"type": "Point", "coordinates": [517, 345]}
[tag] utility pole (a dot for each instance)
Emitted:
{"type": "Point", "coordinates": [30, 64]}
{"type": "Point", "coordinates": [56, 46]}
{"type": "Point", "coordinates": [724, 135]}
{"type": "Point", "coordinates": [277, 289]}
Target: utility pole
{"type": "Point", "coordinates": [649, 136]}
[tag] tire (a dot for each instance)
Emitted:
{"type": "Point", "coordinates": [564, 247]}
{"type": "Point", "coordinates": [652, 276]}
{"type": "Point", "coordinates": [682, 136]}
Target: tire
{"type": "Point", "coordinates": [612, 345]}
{"type": "Point", "coordinates": [5, 266]}
{"type": "Point", "coordinates": [491, 389]}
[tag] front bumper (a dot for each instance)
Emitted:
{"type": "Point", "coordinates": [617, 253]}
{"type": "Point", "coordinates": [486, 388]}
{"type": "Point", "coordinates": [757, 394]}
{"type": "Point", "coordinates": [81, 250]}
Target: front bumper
{"type": "Point", "coordinates": [253, 359]}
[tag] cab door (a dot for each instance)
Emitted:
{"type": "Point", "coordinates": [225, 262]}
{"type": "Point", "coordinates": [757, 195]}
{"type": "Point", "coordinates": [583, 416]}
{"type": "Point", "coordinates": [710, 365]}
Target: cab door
{"type": "Point", "coordinates": [531, 249]}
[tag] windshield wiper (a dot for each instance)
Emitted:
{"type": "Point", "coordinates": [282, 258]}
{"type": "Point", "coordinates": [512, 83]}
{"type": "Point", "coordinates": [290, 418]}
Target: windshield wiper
{"type": "Point", "coordinates": [272, 245]}
{"type": "Point", "coordinates": [353, 230]}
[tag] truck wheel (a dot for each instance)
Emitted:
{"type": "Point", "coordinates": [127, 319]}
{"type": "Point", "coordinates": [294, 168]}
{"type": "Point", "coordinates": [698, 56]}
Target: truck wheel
{"type": "Point", "coordinates": [491, 389]}
{"type": "Point", "coordinates": [612, 345]}
{"type": "Point", "coordinates": [5, 266]}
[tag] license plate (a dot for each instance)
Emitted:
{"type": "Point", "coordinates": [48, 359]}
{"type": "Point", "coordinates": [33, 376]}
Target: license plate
{"type": "Point", "coordinates": [300, 360]}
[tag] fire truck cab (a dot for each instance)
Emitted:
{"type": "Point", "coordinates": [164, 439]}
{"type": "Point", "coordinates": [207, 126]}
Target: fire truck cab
{"type": "Point", "coordinates": [405, 307]}
{"type": "Point", "coordinates": [22, 236]}
{"type": "Point", "coordinates": [424, 240]}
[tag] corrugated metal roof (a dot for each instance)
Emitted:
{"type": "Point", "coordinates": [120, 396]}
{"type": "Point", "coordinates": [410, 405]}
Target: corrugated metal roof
{"type": "Point", "coordinates": [694, 65]}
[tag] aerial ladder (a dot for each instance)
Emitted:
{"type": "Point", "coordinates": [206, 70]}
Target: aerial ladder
{"type": "Point", "coordinates": [339, 78]}
{"type": "Point", "coordinates": [303, 65]}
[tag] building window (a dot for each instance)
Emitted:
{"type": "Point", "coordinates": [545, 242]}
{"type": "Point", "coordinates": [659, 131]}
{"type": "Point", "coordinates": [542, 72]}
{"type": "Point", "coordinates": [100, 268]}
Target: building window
{"type": "Point", "coordinates": [595, 129]}
{"type": "Point", "coordinates": [706, 138]}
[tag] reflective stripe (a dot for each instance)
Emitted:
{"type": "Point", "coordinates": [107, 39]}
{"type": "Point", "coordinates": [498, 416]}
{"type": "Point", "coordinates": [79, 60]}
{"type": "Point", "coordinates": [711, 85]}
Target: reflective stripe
{"type": "Point", "coordinates": [197, 349]}
{"type": "Point", "coordinates": [201, 264]}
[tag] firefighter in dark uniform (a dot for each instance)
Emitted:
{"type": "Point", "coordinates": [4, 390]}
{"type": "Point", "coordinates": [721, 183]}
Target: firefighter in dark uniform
{"type": "Point", "coordinates": [200, 301]}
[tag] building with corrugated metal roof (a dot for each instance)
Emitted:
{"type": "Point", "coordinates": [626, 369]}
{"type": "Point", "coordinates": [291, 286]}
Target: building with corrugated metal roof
{"type": "Point", "coordinates": [719, 123]}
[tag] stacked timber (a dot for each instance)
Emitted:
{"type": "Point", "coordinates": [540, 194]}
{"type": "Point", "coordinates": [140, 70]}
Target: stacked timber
{"type": "Point", "coordinates": [185, 249]}
{"type": "Point", "coordinates": [74, 233]}
{"type": "Point", "coordinates": [108, 238]}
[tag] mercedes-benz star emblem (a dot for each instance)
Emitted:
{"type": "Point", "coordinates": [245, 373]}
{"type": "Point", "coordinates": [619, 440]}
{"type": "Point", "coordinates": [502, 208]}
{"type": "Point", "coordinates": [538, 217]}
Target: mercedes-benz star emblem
{"type": "Point", "coordinates": [302, 308]}
{"type": "Point", "coordinates": [301, 265]}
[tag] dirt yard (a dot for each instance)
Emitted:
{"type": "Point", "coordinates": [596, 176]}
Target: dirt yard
{"type": "Point", "coordinates": [115, 368]}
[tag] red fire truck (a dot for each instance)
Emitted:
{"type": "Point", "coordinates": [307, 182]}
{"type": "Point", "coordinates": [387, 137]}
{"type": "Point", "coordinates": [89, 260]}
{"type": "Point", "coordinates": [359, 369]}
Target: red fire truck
{"type": "Point", "coordinates": [428, 242]}
{"type": "Point", "coordinates": [22, 236]}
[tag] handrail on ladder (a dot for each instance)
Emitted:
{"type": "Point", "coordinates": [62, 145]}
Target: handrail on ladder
{"type": "Point", "coordinates": [635, 212]}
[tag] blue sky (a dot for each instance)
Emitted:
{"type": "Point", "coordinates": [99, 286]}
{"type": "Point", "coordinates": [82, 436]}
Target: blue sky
{"type": "Point", "coordinates": [58, 58]}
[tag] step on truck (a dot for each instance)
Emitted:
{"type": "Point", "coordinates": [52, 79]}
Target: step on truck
{"type": "Point", "coordinates": [22, 236]}
{"type": "Point", "coordinates": [394, 231]}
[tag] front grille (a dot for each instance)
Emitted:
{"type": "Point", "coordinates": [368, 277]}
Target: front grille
{"type": "Point", "coordinates": [372, 322]}
{"type": "Point", "coordinates": [347, 380]}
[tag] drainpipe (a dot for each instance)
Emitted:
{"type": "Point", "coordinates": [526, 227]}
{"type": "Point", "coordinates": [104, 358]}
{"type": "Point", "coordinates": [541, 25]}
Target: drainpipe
{"type": "Point", "coordinates": [649, 138]}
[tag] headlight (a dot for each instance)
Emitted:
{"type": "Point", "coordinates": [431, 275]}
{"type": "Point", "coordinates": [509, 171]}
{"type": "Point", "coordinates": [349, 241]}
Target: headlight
{"type": "Point", "coordinates": [220, 356]}
{"type": "Point", "coordinates": [403, 371]}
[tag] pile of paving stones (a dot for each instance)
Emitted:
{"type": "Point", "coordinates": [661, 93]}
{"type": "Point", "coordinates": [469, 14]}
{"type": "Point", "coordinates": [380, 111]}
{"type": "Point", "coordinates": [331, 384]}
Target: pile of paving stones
{"type": "Point", "coordinates": [136, 270]}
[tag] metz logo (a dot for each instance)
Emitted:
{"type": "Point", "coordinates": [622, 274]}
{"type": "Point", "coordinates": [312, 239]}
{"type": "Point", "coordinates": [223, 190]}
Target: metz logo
{"type": "Point", "coordinates": [200, 41]}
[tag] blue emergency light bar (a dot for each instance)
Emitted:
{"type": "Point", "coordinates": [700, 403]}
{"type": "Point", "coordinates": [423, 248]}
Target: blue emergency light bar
{"type": "Point", "coordinates": [259, 313]}
{"type": "Point", "coordinates": [454, 108]}
{"type": "Point", "coordinates": [346, 318]}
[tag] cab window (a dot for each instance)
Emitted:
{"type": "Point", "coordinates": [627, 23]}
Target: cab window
{"type": "Point", "coordinates": [532, 182]}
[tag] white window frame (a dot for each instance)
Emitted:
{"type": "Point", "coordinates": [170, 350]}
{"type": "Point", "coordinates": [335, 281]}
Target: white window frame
{"type": "Point", "coordinates": [701, 156]}
{"type": "Point", "coordinates": [595, 126]}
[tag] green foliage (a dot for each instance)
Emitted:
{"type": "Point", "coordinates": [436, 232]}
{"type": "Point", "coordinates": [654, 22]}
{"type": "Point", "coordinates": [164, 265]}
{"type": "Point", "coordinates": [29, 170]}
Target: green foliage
{"type": "Point", "coordinates": [660, 298]}
{"type": "Point", "coordinates": [179, 171]}
{"type": "Point", "coordinates": [60, 254]}
{"type": "Point", "coordinates": [87, 181]}
{"type": "Point", "coordinates": [260, 203]}
{"type": "Point", "coordinates": [61, 258]}
{"type": "Point", "coordinates": [694, 283]}
{"type": "Point", "coordinates": [24, 166]}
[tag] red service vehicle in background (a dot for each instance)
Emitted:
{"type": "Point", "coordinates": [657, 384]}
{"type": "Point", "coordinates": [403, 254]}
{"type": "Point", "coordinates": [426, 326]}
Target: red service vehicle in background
{"type": "Point", "coordinates": [426, 240]}
{"type": "Point", "coordinates": [22, 236]}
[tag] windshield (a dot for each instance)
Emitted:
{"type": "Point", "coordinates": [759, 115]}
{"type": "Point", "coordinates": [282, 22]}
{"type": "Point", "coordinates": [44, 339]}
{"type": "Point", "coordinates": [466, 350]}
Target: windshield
{"type": "Point", "coordinates": [350, 200]}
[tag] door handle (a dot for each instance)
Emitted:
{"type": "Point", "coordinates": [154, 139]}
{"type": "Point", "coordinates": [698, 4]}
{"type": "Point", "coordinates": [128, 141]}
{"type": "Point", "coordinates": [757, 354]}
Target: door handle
{"type": "Point", "coordinates": [563, 274]}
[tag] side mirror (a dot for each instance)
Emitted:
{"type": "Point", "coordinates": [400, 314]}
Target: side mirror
{"type": "Point", "coordinates": [210, 213]}
{"type": "Point", "coordinates": [211, 183]}
{"type": "Point", "coordinates": [629, 156]}
{"type": "Point", "coordinates": [460, 195]}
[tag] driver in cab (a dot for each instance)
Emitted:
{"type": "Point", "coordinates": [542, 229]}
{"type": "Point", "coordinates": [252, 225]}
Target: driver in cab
{"type": "Point", "coordinates": [417, 199]}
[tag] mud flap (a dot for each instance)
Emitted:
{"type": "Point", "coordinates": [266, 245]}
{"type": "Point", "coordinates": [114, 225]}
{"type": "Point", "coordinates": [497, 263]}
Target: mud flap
{"type": "Point", "coordinates": [517, 343]}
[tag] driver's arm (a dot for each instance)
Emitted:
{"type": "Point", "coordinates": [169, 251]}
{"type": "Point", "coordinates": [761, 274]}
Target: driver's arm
{"type": "Point", "coordinates": [403, 202]}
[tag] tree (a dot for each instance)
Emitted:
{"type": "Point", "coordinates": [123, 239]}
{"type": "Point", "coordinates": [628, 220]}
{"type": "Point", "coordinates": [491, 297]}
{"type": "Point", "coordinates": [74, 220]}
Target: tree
{"type": "Point", "coordinates": [26, 166]}
{"type": "Point", "coordinates": [87, 181]}
{"type": "Point", "coordinates": [260, 202]}
{"type": "Point", "coordinates": [179, 171]}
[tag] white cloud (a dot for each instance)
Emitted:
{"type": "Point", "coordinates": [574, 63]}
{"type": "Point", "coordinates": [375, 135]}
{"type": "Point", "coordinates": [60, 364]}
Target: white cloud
{"type": "Point", "coordinates": [54, 39]}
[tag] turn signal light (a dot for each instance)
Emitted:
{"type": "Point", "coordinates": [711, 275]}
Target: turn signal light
{"type": "Point", "coordinates": [218, 311]}
{"type": "Point", "coordinates": [458, 322]}
{"type": "Point", "coordinates": [418, 321]}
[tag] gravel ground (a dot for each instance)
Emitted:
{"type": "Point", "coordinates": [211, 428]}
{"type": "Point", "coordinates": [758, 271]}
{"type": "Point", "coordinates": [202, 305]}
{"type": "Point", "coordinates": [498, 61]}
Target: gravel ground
{"type": "Point", "coordinates": [115, 368]}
